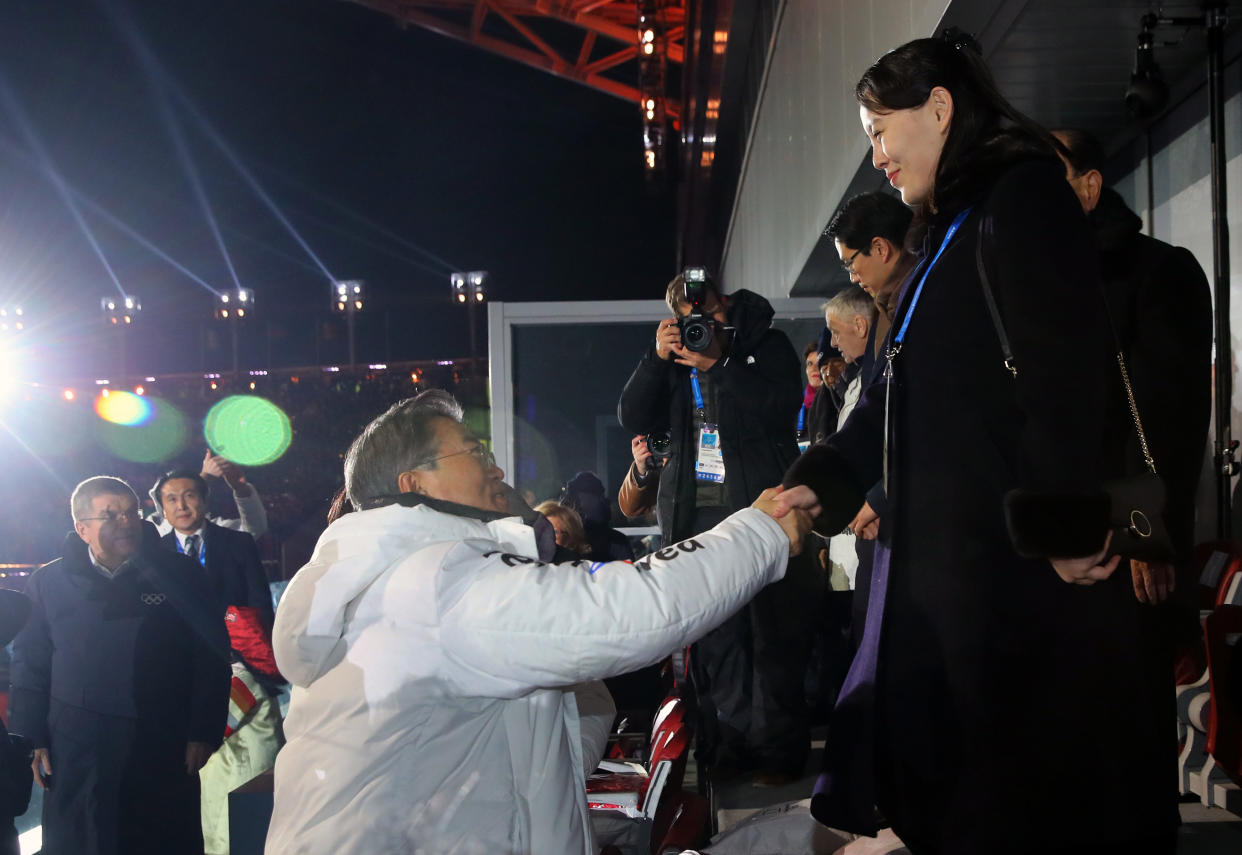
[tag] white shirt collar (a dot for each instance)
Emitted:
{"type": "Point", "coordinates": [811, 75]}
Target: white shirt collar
{"type": "Point", "coordinates": [102, 569]}
{"type": "Point", "coordinates": [181, 538]}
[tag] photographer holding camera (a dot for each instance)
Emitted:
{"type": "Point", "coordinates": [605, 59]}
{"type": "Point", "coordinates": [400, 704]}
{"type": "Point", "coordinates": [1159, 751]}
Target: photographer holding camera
{"type": "Point", "coordinates": [725, 388]}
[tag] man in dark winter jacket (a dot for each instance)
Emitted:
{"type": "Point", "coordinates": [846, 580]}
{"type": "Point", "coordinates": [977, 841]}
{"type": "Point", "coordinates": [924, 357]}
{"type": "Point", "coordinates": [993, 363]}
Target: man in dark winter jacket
{"type": "Point", "coordinates": [730, 411]}
{"type": "Point", "coordinates": [1161, 309]}
{"type": "Point", "coordinates": [120, 680]}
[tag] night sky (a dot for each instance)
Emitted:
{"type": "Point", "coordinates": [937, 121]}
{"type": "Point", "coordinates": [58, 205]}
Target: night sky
{"type": "Point", "coordinates": [398, 155]}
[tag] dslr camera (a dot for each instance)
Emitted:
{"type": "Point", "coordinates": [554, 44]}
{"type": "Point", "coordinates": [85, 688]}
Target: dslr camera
{"type": "Point", "coordinates": [661, 447]}
{"type": "Point", "coordinates": [698, 329]}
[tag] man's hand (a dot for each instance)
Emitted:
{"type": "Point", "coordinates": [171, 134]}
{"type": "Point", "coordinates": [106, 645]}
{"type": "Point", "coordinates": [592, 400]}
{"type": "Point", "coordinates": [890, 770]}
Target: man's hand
{"type": "Point", "coordinates": [796, 525]}
{"type": "Point", "coordinates": [801, 497]}
{"type": "Point", "coordinates": [41, 764]}
{"type": "Point", "coordinates": [1153, 581]}
{"type": "Point", "coordinates": [702, 361]}
{"type": "Point", "coordinates": [215, 466]}
{"type": "Point", "coordinates": [638, 448]}
{"type": "Point", "coordinates": [1088, 570]}
{"type": "Point", "coordinates": [196, 756]}
{"type": "Point", "coordinates": [667, 335]}
{"type": "Point", "coordinates": [866, 524]}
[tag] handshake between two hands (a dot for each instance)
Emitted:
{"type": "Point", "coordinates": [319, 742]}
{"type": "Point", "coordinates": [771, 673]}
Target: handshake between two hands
{"type": "Point", "coordinates": [793, 509]}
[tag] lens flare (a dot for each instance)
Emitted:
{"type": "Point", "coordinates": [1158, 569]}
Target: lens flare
{"type": "Point", "coordinates": [159, 436]}
{"type": "Point", "coordinates": [48, 428]}
{"type": "Point", "coordinates": [123, 408]}
{"type": "Point", "coordinates": [248, 430]}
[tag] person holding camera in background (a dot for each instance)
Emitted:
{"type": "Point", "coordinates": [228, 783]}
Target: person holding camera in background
{"type": "Point", "coordinates": [725, 388]}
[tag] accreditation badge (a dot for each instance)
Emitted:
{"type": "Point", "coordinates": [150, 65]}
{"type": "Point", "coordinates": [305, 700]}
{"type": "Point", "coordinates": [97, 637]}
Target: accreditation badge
{"type": "Point", "coordinates": [709, 466]}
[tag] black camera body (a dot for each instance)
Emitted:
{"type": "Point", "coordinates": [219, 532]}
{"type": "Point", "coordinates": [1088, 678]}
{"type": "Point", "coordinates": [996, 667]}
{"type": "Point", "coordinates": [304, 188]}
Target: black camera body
{"type": "Point", "coordinates": [698, 329]}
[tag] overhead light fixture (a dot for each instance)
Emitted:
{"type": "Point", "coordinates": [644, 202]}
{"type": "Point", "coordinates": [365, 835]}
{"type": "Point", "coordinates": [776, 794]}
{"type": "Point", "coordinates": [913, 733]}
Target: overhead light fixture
{"type": "Point", "coordinates": [237, 296]}
{"type": "Point", "coordinates": [348, 296]}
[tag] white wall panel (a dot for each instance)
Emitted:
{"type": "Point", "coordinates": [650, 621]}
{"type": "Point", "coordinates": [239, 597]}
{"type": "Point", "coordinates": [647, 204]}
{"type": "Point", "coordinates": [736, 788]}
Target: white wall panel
{"type": "Point", "coordinates": [806, 142]}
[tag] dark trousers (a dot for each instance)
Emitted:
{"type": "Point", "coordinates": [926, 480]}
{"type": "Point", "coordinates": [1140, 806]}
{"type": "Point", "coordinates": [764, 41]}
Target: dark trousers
{"type": "Point", "coordinates": [749, 672]}
{"type": "Point", "coordinates": [119, 787]}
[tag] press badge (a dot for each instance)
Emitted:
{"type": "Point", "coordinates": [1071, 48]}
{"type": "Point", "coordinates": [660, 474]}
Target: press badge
{"type": "Point", "coordinates": [710, 463]}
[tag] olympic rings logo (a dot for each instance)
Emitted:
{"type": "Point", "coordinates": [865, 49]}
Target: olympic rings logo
{"type": "Point", "coordinates": [153, 599]}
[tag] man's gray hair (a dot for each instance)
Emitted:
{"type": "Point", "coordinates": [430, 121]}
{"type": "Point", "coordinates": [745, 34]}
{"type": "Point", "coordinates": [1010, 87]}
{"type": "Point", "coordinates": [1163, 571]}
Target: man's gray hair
{"type": "Point", "coordinates": [401, 439]}
{"type": "Point", "coordinates": [848, 303]}
{"type": "Point", "coordinates": [84, 495]}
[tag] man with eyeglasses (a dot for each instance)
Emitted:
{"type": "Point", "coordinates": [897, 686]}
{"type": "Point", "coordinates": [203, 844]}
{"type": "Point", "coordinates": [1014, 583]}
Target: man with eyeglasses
{"type": "Point", "coordinates": [445, 670]}
{"type": "Point", "coordinates": [869, 232]}
{"type": "Point", "coordinates": [731, 415]}
{"type": "Point", "coordinates": [120, 680]}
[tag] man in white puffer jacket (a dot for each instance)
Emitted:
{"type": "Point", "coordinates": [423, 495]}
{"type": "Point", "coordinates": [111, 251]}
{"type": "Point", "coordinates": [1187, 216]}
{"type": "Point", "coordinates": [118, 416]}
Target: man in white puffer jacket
{"type": "Point", "coordinates": [439, 665]}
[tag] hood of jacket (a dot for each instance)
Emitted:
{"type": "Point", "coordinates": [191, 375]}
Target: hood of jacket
{"type": "Point", "coordinates": [353, 553]}
{"type": "Point", "coordinates": [750, 315]}
{"type": "Point", "coordinates": [1114, 223]}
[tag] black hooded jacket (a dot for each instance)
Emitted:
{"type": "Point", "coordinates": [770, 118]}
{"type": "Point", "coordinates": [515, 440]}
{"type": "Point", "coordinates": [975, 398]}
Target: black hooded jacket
{"type": "Point", "coordinates": [759, 383]}
{"type": "Point", "coordinates": [1161, 308]}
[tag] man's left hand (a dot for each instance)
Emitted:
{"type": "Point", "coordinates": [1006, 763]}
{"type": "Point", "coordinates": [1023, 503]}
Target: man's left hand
{"type": "Point", "coordinates": [196, 756]}
{"type": "Point", "coordinates": [1153, 581]}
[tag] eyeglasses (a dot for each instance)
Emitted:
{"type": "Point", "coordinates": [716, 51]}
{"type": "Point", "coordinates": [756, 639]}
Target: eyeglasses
{"type": "Point", "coordinates": [480, 452]}
{"type": "Point", "coordinates": [132, 515]}
{"type": "Point", "coordinates": [848, 263]}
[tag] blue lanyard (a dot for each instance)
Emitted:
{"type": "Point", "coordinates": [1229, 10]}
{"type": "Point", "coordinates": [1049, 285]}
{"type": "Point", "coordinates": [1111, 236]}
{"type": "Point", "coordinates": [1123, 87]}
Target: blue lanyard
{"type": "Point", "coordinates": [914, 301]}
{"type": "Point", "coordinates": [696, 391]}
{"type": "Point", "coordinates": [801, 418]}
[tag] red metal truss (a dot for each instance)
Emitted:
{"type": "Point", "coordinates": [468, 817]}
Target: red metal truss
{"type": "Point", "coordinates": [609, 34]}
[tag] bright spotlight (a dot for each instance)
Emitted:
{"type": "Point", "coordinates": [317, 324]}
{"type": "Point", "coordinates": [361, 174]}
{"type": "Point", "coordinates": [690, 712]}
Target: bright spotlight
{"type": "Point", "coordinates": [348, 296]}
{"type": "Point", "coordinates": [468, 286]}
{"type": "Point", "coordinates": [227, 299]}
{"type": "Point", "coordinates": [69, 394]}
{"type": "Point", "coordinates": [123, 311]}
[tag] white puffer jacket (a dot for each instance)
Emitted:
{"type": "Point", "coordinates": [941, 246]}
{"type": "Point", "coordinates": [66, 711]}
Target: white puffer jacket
{"type": "Point", "coordinates": [432, 658]}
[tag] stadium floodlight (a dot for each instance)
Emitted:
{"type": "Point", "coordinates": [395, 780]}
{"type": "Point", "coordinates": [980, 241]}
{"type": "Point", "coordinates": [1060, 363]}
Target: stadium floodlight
{"type": "Point", "coordinates": [468, 286]}
{"type": "Point", "coordinates": [12, 319]}
{"type": "Point", "coordinates": [458, 281]}
{"type": "Point", "coordinates": [236, 304]}
{"type": "Point", "coordinates": [120, 311]}
{"type": "Point", "coordinates": [477, 278]}
{"type": "Point", "coordinates": [348, 296]}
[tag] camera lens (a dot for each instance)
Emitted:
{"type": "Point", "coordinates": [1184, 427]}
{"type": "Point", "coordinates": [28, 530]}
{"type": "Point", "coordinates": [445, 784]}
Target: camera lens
{"type": "Point", "coordinates": [659, 444]}
{"type": "Point", "coordinates": [697, 335]}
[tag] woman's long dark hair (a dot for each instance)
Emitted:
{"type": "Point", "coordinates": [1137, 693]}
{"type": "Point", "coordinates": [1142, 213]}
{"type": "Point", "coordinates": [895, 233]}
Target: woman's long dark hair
{"type": "Point", "coordinates": [986, 134]}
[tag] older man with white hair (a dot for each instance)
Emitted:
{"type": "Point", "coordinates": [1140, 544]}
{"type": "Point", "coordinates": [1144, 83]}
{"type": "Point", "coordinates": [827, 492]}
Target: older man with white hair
{"type": "Point", "coordinates": [120, 680]}
{"type": "Point", "coordinates": [438, 658]}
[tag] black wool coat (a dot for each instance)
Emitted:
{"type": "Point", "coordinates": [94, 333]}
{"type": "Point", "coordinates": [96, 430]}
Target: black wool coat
{"type": "Point", "coordinates": [1009, 713]}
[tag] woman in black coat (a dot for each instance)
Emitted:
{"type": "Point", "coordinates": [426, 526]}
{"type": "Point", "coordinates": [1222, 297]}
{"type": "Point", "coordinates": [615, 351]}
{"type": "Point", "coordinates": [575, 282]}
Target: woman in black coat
{"type": "Point", "coordinates": [992, 707]}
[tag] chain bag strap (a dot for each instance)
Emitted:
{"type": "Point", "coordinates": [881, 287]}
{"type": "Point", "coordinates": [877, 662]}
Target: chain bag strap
{"type": "Point", "coordinates": [1136, 501]}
